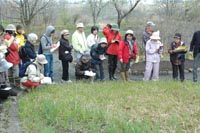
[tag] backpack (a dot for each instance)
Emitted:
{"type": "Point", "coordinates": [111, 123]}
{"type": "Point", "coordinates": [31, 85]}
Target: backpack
{"type": "Point", "coordinates": [23, 67]}
{"type": "Point", "coordinates": [22, 53]}
{"type": "Point", "coordinates": [40, 50]}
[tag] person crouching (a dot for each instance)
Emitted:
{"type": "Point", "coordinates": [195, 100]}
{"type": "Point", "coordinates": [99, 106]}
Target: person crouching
{"type": "Point", "coordinates": [33, 75]}
{"type": "Point", "coordinates": [83, 68]}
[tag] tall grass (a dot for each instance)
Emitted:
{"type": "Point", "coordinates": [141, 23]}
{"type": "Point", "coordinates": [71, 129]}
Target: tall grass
{"type": "Point", "coordinates": [113, 107]}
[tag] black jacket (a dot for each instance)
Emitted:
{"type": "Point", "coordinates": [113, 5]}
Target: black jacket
{"type": "Point", "coordinates": [195, 43]}
{"type": "Point", "coordinates": [178, 56]}
{"type": "Point", "coordinates": [80, 69]}
{"type": "Point", "coordinates": [64, 46]}
{"type": "Point", "coordinates": [95, 52]}
{"type": "Point", "coordinates": [30, 51]}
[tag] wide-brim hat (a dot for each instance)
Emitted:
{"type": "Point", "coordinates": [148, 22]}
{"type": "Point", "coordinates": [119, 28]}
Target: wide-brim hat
{"type": "Point", "coordinates": [103, 40]}
{"type": "Point", "coordinates": [64, 32]}
{"type": "Point", "coordinates": [11, 27]}
{"type": "Point", "coordinates": [129, 32]}
{"type": "Point", "coordinates": [4, 65]}
{"type": "Point", "coordinates": [115, 27]}
{"type": "Point", "coordinates": [80, 25]}
{"type": "Point", "coordinates": [150, 23]}
{"type": "Point", "coordinates": [155, 35]}
{"type": "Point", "coordinates": [41, 59]}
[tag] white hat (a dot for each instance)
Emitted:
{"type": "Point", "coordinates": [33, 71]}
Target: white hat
{"type": "Point", "coordinates": [155, 35]}
{"type": "Point", "coordinates": [150, 23]}
{"type": "Point", "coordinates": [32, 37]}
{"type": "Point", "coordinates": [129, 32]}
{"type": "Point", "coordinates": [3, 49]}
{"type": "Point", "coordinates": [11, 27]}
{"type": "Point", "coordinates": [103, 40]}
{"type": "Point", "coordinates": [4, 65]}
{"type": "Point", "coordinates": [79, 25]}
{"type": "Point", "coordinates": [64, 32]}
{"type": "Point", "coordinates": [41, 59]}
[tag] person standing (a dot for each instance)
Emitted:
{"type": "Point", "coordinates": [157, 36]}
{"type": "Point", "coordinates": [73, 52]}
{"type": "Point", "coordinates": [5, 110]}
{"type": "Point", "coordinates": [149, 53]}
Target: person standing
{"type": "Point", "coordinates": [113, 37]}
{"type": "Point", "coordinates": [29, 48]}
{"type": "Point", "coordinates": [195, 52]}
{"type": "Point", "coordinates": [93, 38]}
{"type": "Point", "coordinates": [79, 42]}
{"type": "Point", "coordinates": [12, 55]}
{"type": "Point", "coordinates": [153, 50]}
{"type": "Point", "coordinates": [147, 32]}
{"type": "Point", "coordinates": [47, 44]}
{"type": "Point", "coordinates": [177, 57]}
{"type": "Point", "coordinates": [97, 53]}
{"type": "Point", "coordinates": [20, 36]}
{"type": "Point", "coordinates": [127, 52]}
{"type": "Point", "coordinates": [65, 56]}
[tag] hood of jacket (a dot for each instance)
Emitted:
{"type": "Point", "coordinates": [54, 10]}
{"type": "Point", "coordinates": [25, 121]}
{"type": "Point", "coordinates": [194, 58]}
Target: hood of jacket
{"type": "Point", "coordinates": [49, 29]}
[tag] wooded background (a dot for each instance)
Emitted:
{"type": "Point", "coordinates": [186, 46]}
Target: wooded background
{"type": "Point", "coordinates": [170, 16]}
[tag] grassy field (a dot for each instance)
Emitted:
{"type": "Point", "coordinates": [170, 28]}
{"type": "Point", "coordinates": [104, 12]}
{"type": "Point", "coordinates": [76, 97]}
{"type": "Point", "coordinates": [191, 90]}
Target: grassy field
{"type": "Point", "coordinates": [112, 107]}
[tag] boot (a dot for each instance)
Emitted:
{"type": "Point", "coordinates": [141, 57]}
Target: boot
{"type": "Point", "coordinates": [113, 75]}
{"type": "Point", "coordinates": [110, 73]}
{"type": "Point", "coordinates": [127, 76]}
{"type": "Point", "coordinates": [123, 76]}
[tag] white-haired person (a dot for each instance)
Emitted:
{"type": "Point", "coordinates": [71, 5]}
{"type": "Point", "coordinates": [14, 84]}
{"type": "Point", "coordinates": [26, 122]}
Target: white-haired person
{"type": "Point", "coordinates": [30, 48]}
{"type": "Point", "coordinates": [33, 75]}
{"type": "Point", "coordinates": [65, 55]}
{"type": "Point", "coordinates": [153, 49]}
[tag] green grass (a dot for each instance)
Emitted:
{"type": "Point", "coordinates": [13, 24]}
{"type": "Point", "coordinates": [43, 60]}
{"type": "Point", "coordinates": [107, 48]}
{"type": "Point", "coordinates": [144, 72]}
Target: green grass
{"type": "Point", "coordinates": [112, 107]}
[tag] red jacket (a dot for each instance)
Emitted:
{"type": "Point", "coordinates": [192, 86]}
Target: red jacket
{"type": "Point", "coordinates": [110, 35]}
{"type": "Point", "coordinates": [13, 56]}
{"type": "Point", "coordinates": [124, 51]}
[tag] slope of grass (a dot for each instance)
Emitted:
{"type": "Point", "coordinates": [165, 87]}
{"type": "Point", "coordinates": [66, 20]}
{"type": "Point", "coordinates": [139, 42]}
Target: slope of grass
{"type": "Point", "coordinates": [136, 107]}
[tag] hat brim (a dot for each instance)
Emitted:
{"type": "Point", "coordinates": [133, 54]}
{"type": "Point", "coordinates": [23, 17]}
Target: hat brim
{"type": "Point", "coordinates": [155, 38]}
{"type": "Point", "coordinates": [177, 37]}
{"type": "Point", "coordinates": [43, 62]}
{"type": "Point", "coordinates": [115, 29]}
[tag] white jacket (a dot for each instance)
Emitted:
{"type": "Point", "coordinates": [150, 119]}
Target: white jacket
{"type": "Point", "coordinates": [92, 39]}
{"type": "Point", "coordinates": [79, 42]}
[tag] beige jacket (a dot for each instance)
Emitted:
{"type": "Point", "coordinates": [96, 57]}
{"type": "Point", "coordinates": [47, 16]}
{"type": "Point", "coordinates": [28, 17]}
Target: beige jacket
{"type": "Point", "coordinates": [33, 74]}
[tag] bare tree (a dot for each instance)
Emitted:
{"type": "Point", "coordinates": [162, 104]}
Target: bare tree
{"type": "Point", "coordinates": [122, 14]}
{"type": "Point", "coordinates": [26, 10]}
{"type": "Point", "coordinates": [96, 7]}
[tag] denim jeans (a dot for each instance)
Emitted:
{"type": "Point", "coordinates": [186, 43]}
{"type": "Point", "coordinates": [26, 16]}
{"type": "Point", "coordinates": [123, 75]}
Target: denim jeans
{"type": "Point", "coordinates": [99, 71]}
{"type": "Point", "coordinates": [195, 66]}
{"type": "Point", "coordinates": [48, 68]}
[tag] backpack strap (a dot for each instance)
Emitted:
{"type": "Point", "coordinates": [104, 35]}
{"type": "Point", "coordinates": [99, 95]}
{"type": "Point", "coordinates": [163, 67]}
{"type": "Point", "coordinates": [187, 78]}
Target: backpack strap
{"type": "Point", "coordinates": [46, 39]}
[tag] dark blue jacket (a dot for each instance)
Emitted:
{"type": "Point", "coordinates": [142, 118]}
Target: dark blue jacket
{"type": "Point", "coordinates": [195, 43]}
{"type": "Point", "coordinates": [95, 52]}
{"type": "Point", "coordinates": [30, 50]}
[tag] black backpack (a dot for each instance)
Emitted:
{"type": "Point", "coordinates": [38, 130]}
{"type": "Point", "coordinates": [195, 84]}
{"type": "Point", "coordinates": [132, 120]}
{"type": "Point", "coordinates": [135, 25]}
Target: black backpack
{"type": "Point", "coordinates": [22, 52]}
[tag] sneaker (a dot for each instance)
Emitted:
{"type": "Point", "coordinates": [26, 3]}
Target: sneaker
{"type": "Point", "coordinates": [68, 81]}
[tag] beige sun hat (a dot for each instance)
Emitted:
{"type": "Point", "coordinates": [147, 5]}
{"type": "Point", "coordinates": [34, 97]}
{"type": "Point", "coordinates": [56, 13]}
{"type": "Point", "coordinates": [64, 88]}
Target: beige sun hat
{"type": "Point", "coordinates": [80, 25]}
{"type": "Point", "coordinates": [64, 32]}
{"type": "Point", "coordinates": [41, 59]}
{"type": "Point", "coordinates": [129, 32]}
{"type": "Point", "coordinates": [155, 35]}
{"type": "Point", "coordinates": [11, 27]}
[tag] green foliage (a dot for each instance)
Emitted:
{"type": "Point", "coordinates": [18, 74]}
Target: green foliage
{"type": "Point", "coordinates": [164, 106]}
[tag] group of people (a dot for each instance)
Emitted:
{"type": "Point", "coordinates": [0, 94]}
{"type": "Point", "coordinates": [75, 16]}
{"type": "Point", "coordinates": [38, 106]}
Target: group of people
{"type": "Point", "coordinates": [87, 53]}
